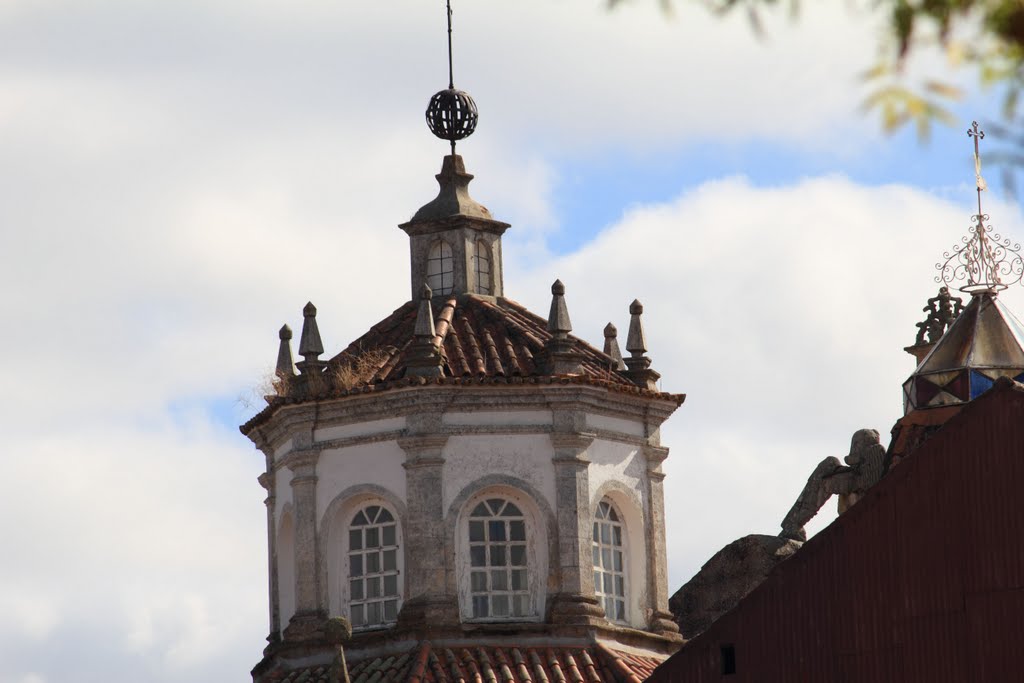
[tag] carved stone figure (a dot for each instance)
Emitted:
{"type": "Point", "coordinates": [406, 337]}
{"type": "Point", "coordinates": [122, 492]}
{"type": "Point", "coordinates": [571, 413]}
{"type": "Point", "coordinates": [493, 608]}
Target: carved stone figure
{"type": "Point", "coordinates": [942, 310]}
{"type": "Point", "coordinates": [864, 467]}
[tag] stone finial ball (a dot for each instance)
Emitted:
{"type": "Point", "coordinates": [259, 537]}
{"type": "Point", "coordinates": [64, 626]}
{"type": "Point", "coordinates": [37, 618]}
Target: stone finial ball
{"type": "Point", "coordinates": [452, 115]}
{"type": "Point", "coordinates": [337, 630]}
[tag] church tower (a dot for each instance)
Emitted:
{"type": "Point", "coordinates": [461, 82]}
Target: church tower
{"type": "Point", "coordinates": [476, 490]}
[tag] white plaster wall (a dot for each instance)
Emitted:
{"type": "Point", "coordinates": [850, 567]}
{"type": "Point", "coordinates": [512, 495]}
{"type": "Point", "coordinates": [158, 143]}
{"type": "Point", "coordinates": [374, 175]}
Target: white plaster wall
{"type": "Point", "coordinates": [499, 418]}
{"type": "Point", "coordinates": [373, 463]}
{"type": "Point", "coordinates": [615, 424]}
{"type": "Point", "coordinates": [615, 461]}
{"type": "Point", "coordinates": [282, 491]}
{"type": "Point", "coordinates": [359, 429]}
{"type": "Point", "coordinates": [525, 456]}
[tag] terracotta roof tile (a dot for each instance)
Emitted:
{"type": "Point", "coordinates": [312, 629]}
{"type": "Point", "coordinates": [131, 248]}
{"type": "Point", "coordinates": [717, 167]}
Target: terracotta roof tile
{"type": "Point", "coordinates": [479, 337]}
{"type": "Point", "coordinates": [491, 664]}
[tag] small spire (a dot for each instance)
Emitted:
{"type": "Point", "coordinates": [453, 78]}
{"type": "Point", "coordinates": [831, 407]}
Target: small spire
{"type": "Point", "coordinates": [425, 316]}
{"type": "Point", "coordinates": [558, 317]}
{"type": "Point", "coordinates": [562, 356]}
{"type": "Point", "coordinates": [424, 357]}
{"type": "Point", "coordinates": [285, 364]}
{"type": "Point", "coordinates": [310, 346]}
{"type": "Point", "coordinates": [611, 346]}
{"type": "Point", "coordinates": [636, 344]}
{"type": "Point", "coordinates": [639, 365]}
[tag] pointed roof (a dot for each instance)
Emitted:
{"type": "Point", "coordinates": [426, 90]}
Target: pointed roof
{"type": "Point", "coordinates": [987, 334]}
{"type": "Point", "coordinates": [984, 343]}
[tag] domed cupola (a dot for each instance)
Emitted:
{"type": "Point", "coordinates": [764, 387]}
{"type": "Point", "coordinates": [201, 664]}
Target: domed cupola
{"type": "Point", "coordinates": [467, 488]}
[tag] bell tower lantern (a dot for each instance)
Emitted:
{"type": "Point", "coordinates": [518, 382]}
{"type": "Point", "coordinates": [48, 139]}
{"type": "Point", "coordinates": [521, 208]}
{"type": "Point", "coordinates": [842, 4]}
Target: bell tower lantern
{"type": "Point", "coordinates": [454, 243]}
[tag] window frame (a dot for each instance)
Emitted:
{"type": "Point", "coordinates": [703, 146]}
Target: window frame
{"type": "Point", "coordinates": [537, 565]}
{"type": "Point", "coordinates": [437, 276]}
{"type": "Point", "coordinates": [381, 574]}
{"type": "Point", "coordinates": [483, 278]}
{"type": "Point", "coordinates": [612, 520]}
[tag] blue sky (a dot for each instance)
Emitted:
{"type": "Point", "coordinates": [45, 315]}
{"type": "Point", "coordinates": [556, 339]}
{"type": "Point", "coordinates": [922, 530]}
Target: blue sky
{"type": "Point", "coordinates": [181, 177]}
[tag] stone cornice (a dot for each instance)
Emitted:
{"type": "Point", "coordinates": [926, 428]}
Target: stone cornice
{"type": "Point", "coordinates": [285, 419]}
{"type": "Point", "coordinates": [458, 222]}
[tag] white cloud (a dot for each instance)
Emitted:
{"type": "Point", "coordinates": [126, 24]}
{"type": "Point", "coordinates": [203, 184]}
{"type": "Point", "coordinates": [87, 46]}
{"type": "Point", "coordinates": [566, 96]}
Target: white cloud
{"type": "Point", "coordinates": [782, 312]}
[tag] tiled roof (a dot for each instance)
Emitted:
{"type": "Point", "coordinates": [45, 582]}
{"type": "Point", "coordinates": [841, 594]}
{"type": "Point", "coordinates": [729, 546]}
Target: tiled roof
{"type": "Point", "coordinates": [483, 341]}
{"type": "Point", "coordinates": [480, 337]}
{"type": "Point", "coordinates": [490, 664]}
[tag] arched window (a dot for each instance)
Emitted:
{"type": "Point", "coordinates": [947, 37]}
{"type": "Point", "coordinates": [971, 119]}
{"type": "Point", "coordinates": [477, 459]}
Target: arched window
{"type": "Point", "coordinates": [440, 268]}
{"type": "Point", "coordinates": [499, 583]}
{"type": "Point", "coordinates": [609, 571]}
{"type": "Point", "coordinates": [373, 586]}
{"type": "Point", "coordinates": [482, 267]}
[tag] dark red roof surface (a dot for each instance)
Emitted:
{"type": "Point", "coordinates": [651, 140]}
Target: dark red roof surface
{"type": "Point", "coordinates": [921, 580]}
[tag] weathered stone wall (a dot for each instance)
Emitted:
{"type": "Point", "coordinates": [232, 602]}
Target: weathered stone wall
{"type": "Point", "coordinates": [428, 456]}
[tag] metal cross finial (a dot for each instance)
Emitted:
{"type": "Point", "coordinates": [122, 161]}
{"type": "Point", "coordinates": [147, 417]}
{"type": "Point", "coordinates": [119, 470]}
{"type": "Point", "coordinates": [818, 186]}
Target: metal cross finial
{"type": "Point", "coordinates": [977, 134]}
{"type": "Point", "coordinates": [987, 261]}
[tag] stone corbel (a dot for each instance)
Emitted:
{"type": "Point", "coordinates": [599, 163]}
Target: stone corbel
{"type": "Point", "coordinates": [654, 456]}
{"type": "Point", "coordinates": [572, 446]}
{"type": "Point", "coordinates": [302, 463]}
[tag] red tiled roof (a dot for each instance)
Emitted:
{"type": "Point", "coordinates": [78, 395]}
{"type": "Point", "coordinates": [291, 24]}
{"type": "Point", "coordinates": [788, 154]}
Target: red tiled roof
{"type": "Point", "coordinates": [479, 337]}
{"type": "Point", "coordinates": [490, 664]}
{"type": "Point", "coordinates": [484, 341]}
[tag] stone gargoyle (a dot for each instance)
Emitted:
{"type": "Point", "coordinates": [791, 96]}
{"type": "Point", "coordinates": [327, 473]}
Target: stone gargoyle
{"type": "Point", "coordinates": [864, 467]}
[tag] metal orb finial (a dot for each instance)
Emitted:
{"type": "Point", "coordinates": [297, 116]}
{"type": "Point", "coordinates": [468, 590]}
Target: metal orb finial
{"type": "Point", "coordinates": [451, 114]}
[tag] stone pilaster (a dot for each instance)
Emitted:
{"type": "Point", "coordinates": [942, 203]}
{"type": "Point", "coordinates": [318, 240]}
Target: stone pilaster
{"type": "Point", "coordinates": [309, 613]}
{"type": "Point", "coordinates": [430, 600]}
{"type": "Point", "coordinates": [657, 573]}
{"type": "Point", "coordinates": [266, 480]}
{"type": "Point", "coordinates": [574, 603]}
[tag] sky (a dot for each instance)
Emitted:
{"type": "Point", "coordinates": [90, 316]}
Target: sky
{"type": "Point", "coordinates": [178, 178]}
